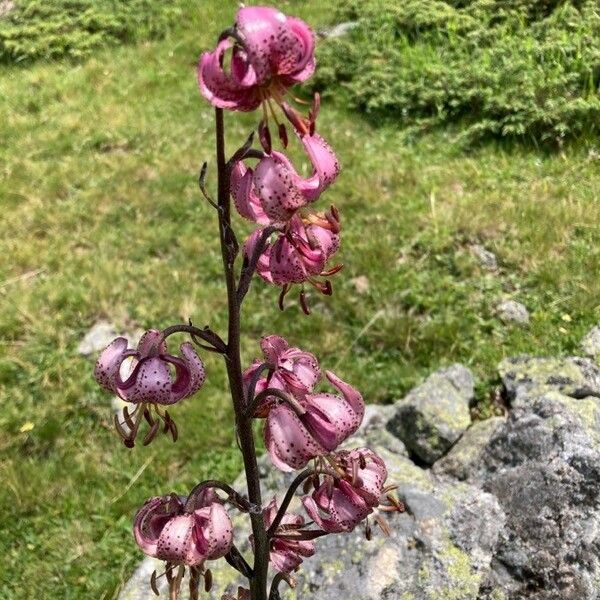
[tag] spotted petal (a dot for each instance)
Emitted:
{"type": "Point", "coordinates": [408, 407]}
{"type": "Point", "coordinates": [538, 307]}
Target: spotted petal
{"type": "Point", "coordinates": [246, 201]}
{"type": "Point", "coordinates": [214, 531]}
{"type": "Point", "coordinates": [221, 89]}
{"type": "Point", "coordinates": [152, 383]}
{"type": "Point", "coordinates": [287, 440]}
{"type": "Point", "coordinates": [109, 363]}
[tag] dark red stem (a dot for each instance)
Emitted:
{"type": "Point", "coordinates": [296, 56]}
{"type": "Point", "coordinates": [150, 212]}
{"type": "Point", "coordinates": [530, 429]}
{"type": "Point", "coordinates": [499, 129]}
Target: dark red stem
{"type": "Point", "coordinates": [258, 583]}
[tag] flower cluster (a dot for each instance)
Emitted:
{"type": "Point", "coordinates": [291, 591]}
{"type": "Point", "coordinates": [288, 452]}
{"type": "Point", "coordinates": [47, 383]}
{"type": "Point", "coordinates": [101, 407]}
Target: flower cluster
{"type": "Point", "coordinates": [302, 425]}
{"type": "Point", "coordinates": [254, 64]}
{"type": "Point", "coordinates": [271, 52]}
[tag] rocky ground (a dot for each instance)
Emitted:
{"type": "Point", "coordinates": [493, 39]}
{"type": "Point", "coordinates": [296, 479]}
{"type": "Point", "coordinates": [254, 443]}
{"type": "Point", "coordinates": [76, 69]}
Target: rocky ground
{"type": "Point", "coordinates": [506, 508]}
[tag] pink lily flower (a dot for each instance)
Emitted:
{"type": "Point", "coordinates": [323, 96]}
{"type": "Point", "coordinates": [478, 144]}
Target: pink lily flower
{"type": "Point", "coordinates": [270, 52]}
{"type": "Point", "coordinates": [345, 499]}
{"type": "Point", "coordinates": [299, 253]}
{"type": "Point", "coordinates": [286, 553]}
{"type": "Point", "coordinates": [164, 529]}
{"type": "Point", "coordinates": [150, 381]}
{"type": "Point", "coordinates": [274, 191]}
{"type": "Point", "coordinates": [291, 370]}
{"type": "Point", "coordinates": [293, 439]}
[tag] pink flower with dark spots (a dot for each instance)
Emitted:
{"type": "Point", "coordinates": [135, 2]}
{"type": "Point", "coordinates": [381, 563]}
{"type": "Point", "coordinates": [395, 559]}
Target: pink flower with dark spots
{"type": "Point", "coordinates": [151, 379]}
{"type": "Point", "coordinates": [299, 253]}
{"type": "Point", "coordinates": [293, 439]}
{"type": "Point", "coordinates": [264, 54]}
{"type": "Point", "coordinates": [347, 497]}
{"type": "Point", "coordinates": [291, 370]}
{"type": "Point", "coordinates": [288, 548]}
{"type": "Point", "coordinates": [154, 378]}
{"type": "Point", "coordinates": [274, 191]}
{"type": "Point", "coordinates": [164, 529]}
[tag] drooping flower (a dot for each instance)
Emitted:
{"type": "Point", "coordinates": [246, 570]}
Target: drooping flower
{"type": "Point", "coordinates": [288, 546]}
{"type": "Point", "coordinates": [150, 381]}
{"type": "Point", "coordinates": [164, 529]}
{"type": "Point", "coordinates": [299, 253]}
{"type": "Point", "coordinates": [345, 499]}
{"type": "Point", "coordinates": [291, 370]}
{"type": "Point", "coordinates": [274, 191]}
{"type": "Point", "coordinates": [293, 439]}
{"type": "Point", "coordinates": [270, 52]}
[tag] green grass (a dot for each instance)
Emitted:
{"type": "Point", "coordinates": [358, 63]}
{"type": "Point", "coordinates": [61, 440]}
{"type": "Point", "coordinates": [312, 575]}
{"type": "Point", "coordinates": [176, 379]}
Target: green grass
{"type": "Point", "coordinates": [102, 218]}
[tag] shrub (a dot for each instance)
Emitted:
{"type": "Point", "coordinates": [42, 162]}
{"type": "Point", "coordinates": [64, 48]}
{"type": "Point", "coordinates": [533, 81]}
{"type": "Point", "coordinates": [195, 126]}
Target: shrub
{"type": "Point", "coordinates": [34, 29]}
{"type": "Point", "coordinates": [517, 68]}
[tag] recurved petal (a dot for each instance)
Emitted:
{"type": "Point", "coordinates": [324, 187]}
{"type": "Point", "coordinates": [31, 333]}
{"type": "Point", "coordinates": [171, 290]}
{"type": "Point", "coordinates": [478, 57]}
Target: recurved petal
{"type": "Point", "coordinates": [372, 477]}
{"type": "Point", "coordinates": [259, 26]}
{"type": "Point", "coordinates": [245, 198]}
{"type": "Point", "coordinates": [151, 519]}
{"type": "Point", "coordinates": [282, 558]}
{"type": "Point", "coordinates": [109, 362]}
{"type": "Point", "coordinates": [151, 344]}
{"type": "Point", "coordinates": [285, 264]}
{"type": "Point", "coordinates": [295, 50]}
{"type": "Point", "coordinates": [351, 394]}
{"type": "Point", "coordinates": [324, 239]}
{"type": "Point", "coordinates": [177, 543]}
{"type": "Point", "coordinates": [347, 507]}
{"type": "Point", "coordinates": [331, 419]}
{"type": "Point", "coordinates": [326, 166]}
{"type": "Point", "coordinates": [323, 159]}
{"type": "Point", "coordinates": [321, 427]}
{"type": "Point", "coordinates": [152, 383]}
{"type": "Point", "coordinates": [319, 516]}
{"type": "Point", "coordinates": [273, 346]}
{"type": "Point", "coordinates": [219, 88]}
{"type": "Point", "coordinates": [214, 531]}
{"type": "Point", "coordinates": [289, 443]}
{"type": "Point", "coordinates": [195, 366]}
{"type": "Point", "coordinates": [277, 188]}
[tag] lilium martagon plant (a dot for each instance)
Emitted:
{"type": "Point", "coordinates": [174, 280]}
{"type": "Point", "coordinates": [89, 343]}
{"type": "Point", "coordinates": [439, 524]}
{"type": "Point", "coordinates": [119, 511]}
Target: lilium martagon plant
{"type": "Point", "coordinates": [255, 64]}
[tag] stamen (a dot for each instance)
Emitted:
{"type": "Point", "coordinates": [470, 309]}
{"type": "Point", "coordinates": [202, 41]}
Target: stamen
{"type": "Point", "coordinates": [208, 580]}
{"type": "Point", "coordinates": [284, 290]}
{"type": "Point", "coordinates": [368, 530]}
{"type": "Point", "coordinates": [264, 135]}
{"type": "Point", "coordinates": [332, 271]}
{"type": "Point", "coordinates": [127, 417]}
{"type": "Point", "coordinates": [304, 303]}
{"type": "Point", "coordinates": [151, 433]}
{"type": "Point", "coordinates": [153, 585]}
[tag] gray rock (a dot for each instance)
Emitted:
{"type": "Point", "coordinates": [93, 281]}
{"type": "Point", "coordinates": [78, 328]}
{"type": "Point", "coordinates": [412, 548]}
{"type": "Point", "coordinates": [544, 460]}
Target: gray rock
{"type": "Point", "coordinates": [97, 338]}
{"type": "Point", "coordinates": [544, 469]}
{"type": "Point", "coordinates": [462, 459]}
{"type": "Point", "coordinates": [590, 344]}
{"type": "Point", "coordinates": [525, 377]}
{"type": "Point", "coordinates": [6, 7]}
{"type": "Point", "coordinates": [511, 311]}
{"type": "Point", "coordinates": [486, 258]}
{"type": "Point", "coordinates": [434, 415]}
{"type": "Point", "coordinates": [338, 30]}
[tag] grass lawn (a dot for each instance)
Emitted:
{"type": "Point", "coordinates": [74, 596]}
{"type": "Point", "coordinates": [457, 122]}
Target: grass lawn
{"type": "Point", "coordinates": [101, 218]}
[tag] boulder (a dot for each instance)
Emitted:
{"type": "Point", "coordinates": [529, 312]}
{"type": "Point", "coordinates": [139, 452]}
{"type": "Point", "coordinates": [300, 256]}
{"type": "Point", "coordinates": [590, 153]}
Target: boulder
{"type": "Point", "coordinates": [433, 416]}
{"type": "Point", "coordinates": [526, 376]}
{"type": "Point", "coordinates": [590, 344]}
{"type": "Point", "coordinates": [511, 311]}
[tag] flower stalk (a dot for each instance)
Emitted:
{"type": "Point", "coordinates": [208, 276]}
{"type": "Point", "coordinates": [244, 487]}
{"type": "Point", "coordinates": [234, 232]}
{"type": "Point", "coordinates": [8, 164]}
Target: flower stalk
{"type": "Point", "coordinates": [268, 53]}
